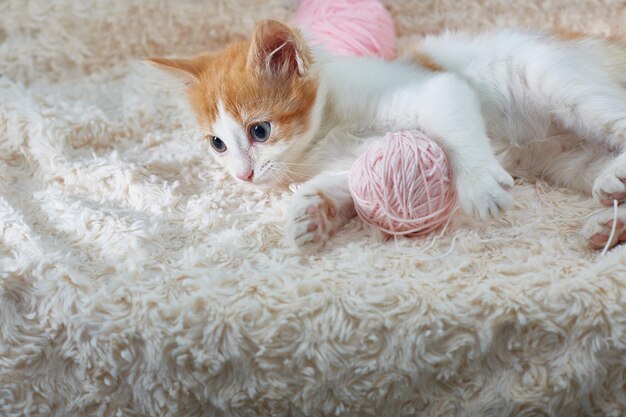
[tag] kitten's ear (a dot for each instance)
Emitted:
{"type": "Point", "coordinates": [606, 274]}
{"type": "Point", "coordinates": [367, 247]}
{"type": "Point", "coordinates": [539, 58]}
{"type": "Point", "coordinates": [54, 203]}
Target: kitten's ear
{"type": "Point", "coordinates": [187, 70]}
{"type": "Point", "coordinates": [278, 50]}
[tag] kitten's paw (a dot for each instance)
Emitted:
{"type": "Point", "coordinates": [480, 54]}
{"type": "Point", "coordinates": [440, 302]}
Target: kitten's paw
{"type": "Point", "coordinates": [598, 228]}
{"type": "Point", "coordinates": [611, 184]}
{"type": "Point", "coordinates": [483, 193]}
{"type": "Point", "coordinates": [311, 220]}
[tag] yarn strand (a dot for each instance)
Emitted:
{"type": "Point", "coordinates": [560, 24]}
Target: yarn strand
{"type": "Point", "coordinates": [612, 235]}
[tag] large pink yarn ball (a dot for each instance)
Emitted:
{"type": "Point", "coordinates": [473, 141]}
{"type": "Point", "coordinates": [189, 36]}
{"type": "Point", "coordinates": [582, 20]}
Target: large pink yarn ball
{"type": "Point", "coordinates": [402, 184]}
{"type": "Point", "coordinates": [348, 27]}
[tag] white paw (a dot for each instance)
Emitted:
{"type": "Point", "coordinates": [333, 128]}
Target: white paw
{"type": "Point", "coordinates": [610, 184]}
{"type": "Point", "coordinates": [483, 192]}
{"type": "Point", "coordinates": [598, 228]}
{"type": "Point", "coordinates": [311, 220]}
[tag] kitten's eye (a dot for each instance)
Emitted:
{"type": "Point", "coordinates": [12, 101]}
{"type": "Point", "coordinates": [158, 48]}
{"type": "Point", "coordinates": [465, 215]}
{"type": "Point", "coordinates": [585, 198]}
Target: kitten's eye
{"type": "Point", "coordinates": [260, 132]}
{"type": "Point", "coordinates": [217, 144]}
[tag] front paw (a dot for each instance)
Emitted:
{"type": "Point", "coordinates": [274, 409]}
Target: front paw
{"type": "Point", "coordinates": [483, 192]}
{"type": "Point", "coordinates": [611, 183]}
{"type": "Point", "coordinates": [311, 220]}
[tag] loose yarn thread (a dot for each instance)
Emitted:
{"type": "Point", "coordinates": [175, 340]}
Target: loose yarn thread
{"type": "Point", "coordinates": [609, 242]}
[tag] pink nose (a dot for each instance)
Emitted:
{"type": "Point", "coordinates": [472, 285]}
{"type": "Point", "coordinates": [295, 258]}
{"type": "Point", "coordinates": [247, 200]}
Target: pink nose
{"type": "Point", "coordinates": [247, 176]}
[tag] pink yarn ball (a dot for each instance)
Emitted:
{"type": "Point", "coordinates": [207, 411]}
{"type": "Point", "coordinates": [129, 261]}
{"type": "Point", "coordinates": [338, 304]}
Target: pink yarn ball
{"type": "Point", "coordinates": [402, 184]}
{"type": "Point", "coordinates": [348, 27]}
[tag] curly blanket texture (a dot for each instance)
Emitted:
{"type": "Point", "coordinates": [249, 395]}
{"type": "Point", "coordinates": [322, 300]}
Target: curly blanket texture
{"type": "Point", "coordinates": [138, 279]}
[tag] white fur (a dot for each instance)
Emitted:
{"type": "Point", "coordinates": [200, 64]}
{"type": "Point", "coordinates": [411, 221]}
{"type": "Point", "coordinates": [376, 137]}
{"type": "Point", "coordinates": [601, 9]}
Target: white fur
{"type": "Point", "coordinates": [510, 92]}
{"type": "Point", "coordinates": [524, 101]}
{"type": "Point", "coordinates": [237, 156]}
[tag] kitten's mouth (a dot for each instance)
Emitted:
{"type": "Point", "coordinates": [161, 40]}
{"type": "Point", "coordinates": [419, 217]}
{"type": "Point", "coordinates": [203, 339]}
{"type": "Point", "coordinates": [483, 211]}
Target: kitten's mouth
{"type": "Point", "coordinates": [269, 174]}
{"type": "Point", "coordinates": [265, 180]}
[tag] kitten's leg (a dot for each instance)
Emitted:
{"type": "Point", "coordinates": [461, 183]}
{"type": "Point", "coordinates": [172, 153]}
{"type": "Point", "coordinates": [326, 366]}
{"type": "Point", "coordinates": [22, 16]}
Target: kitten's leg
{"type": "Point", "coordinates": [602, 114]}
{"type": "Point", "coordinates": [593, 105]}
{"type": "Point", "coordinates": [563, 161]}
{"type": "Point", "coordinates": [448, 110]}
{"type": "Point", "coordinates": [574, 165]}
{"type": "Point", "coordinates": [318, 209]}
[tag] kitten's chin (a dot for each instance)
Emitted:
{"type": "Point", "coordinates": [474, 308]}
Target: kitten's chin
{"type": "Point", "coordinates": [264, 183]}
{"type": "Point", "coordinates": [270, 182]}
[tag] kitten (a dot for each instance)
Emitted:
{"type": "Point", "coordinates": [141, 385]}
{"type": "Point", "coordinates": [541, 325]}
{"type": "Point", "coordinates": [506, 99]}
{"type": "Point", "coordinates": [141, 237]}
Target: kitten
{"type": "Point", "coordinates": [276, 111]}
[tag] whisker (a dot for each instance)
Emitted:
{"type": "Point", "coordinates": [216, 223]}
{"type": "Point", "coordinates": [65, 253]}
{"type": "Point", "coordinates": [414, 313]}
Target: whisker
{"type": "Point", "coordinates": [296, 164]}
{"type": "Point", "coordinates": [275, 177]}
{"type": "Point", "coordinates": [285, 172]}
{"type": "Point", "coordinates": [284, 166]}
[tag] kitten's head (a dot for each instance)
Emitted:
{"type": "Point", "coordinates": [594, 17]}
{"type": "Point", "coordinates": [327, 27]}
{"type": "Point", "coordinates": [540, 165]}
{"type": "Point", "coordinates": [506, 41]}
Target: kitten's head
{"type": "Point", "coordinates": [255, 101]}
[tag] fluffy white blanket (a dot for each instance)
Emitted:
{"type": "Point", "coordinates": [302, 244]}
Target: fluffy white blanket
{"type": "Point", "coordinates": [136, 278]}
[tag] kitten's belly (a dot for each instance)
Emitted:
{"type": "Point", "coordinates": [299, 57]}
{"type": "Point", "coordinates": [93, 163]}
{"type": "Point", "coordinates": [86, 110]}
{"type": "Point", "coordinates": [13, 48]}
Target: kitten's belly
{"type": "Point", "coordinates": [495, 66]}
{"type": "Point", "coordinates": [524, 138]}
{"type": "Point", "coordinates": [512, 112]}
{"type": "Point", "coordinates": [518, 123]}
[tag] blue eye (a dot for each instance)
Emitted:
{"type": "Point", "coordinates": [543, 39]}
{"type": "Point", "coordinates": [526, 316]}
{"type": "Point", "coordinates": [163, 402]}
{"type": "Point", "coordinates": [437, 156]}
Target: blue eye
{"type": "Point", "coordinates": [260, 132]}
{"type": "Point", "coordinates": [217, 144]}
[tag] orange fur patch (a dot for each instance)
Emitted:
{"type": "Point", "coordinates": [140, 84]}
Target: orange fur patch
{"type": "Point", "coordinates": [331, 210]}
{"type": "Point", "coordinates": [247, 94]}
{"type": "Point", "coordinates": [426, 61]}
{"type": "Point", "coordinates": [569, 35]}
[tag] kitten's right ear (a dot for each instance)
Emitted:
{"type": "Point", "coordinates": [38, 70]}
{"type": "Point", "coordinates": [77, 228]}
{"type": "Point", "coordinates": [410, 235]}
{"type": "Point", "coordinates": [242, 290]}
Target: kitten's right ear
{"type": "Point", "coordinates": [187, 70]}
{"type": "Point", "coordinates": [278, 50]}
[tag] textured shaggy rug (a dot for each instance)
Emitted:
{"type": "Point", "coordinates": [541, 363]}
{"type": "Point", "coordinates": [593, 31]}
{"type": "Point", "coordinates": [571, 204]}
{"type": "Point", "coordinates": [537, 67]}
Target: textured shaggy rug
{"type": "Point", "coordinates": [137, 279]}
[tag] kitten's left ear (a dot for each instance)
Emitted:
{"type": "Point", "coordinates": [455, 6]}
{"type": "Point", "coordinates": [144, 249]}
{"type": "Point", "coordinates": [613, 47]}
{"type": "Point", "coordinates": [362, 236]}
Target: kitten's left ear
{"type": "Point", "coordinates": [278, 50]}
{"type": "Point", "coordinates": [187, 70]}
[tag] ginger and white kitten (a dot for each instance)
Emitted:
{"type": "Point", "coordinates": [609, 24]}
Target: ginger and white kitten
{"type": "Point", "coordinates": [277, 111]}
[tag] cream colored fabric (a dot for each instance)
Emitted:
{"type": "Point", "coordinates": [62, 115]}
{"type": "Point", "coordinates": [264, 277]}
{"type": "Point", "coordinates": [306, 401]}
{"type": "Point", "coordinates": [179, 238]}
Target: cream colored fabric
{"type": "Point", "coordinates": [137, 279]}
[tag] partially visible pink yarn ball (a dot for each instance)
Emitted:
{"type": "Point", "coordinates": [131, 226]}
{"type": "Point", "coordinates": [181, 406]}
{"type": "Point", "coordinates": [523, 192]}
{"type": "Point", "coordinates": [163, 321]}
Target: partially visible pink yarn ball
{"type": "Point", "coordinates": [349, 27]}
{"type": "Point", "coordinates": [402, 184]}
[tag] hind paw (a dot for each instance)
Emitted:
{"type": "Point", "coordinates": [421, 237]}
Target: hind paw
{"type": "Point", "coordinates": [598, 228]}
